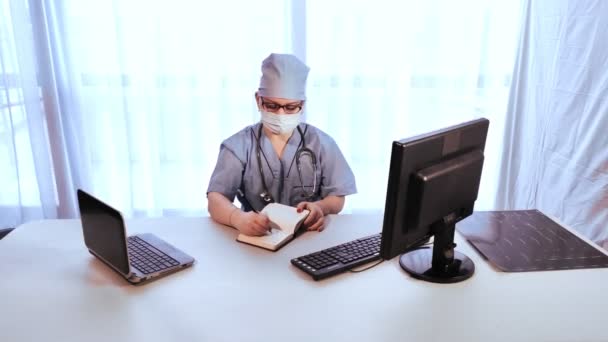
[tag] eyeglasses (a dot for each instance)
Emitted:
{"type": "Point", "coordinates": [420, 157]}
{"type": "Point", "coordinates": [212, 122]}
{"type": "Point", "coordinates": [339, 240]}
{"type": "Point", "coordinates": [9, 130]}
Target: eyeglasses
{"type": "Point", "coordinates": [290, 108]}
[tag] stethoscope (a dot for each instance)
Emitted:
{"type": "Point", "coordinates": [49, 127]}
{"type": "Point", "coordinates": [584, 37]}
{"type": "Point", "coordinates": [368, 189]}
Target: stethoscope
{"type": "Point", "coordinates": [302, 151]}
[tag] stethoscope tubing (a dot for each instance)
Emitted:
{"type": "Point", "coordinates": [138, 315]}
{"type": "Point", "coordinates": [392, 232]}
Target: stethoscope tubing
{"type": "Point", "coordinates": [303, 150]}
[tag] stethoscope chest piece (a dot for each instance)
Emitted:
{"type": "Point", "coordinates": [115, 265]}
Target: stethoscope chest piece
{"type": "Point", "coordinates": [266, 197]}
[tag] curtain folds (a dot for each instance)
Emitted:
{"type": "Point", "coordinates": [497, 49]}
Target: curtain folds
{"type": "Point", "coordinates": [555, 145]}
{"type": "Point", "coordinates": [133, 104]}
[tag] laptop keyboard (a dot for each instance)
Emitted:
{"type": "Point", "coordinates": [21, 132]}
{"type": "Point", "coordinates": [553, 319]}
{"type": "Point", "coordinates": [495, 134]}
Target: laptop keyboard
{"type": "Point", "coordinates": [146, 258]}
{"type": "Point", "coordinates": [340, 258]}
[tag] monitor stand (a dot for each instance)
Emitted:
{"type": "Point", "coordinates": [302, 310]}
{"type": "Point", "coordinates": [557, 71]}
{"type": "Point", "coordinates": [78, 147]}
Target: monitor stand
{"type": "Point", "coordinates": [441, 264]}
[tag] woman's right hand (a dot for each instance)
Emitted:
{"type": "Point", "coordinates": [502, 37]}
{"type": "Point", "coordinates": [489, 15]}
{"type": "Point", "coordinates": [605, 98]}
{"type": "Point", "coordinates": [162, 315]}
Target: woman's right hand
{"type": "Point", "coordinates": [251, 223]}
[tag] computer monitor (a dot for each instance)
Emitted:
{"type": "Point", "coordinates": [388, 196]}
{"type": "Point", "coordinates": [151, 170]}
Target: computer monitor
{"type": "Point", "coordinates": [433, 183]}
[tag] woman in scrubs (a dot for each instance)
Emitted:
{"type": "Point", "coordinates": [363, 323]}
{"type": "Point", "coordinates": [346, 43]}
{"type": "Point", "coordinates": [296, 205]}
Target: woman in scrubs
{"type": "Point", "coordinates": [279, 159]}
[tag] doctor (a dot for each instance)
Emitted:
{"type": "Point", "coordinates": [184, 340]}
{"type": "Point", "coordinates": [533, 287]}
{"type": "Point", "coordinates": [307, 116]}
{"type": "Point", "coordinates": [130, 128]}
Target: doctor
{"type": "Point", "coordinates": [279, 159]}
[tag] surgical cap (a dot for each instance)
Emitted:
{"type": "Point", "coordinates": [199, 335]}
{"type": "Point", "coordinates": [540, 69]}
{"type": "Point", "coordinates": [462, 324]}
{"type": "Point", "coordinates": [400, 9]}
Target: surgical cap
{"type": "Point", "coordinates": [283, 76]}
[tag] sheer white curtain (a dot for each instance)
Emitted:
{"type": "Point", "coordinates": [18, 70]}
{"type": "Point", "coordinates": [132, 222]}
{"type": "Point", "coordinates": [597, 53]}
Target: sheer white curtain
{"type": "Point", "coordinates": [151, 89]}
{"type": "Point", "coordinates": [139, 94]}
{"type": "Point", "coordinates": [392, 69]}
{"type": "Point", "coordinates": [27, 188]}
{"type": "Point", "coordinates": [559, 105]}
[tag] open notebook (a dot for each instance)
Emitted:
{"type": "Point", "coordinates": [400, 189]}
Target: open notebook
{"type": "Point", "coordinates": [284, 222]}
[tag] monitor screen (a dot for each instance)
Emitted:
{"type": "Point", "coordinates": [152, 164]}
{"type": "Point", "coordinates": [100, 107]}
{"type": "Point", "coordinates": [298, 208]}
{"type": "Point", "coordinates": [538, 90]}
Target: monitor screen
{"type": "Point", "coordinates": [433, 183]}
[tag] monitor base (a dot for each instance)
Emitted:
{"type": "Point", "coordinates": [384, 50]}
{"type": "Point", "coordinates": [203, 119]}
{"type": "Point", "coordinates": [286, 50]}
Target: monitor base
{"type": "Point", "coordinates": [418, 263]}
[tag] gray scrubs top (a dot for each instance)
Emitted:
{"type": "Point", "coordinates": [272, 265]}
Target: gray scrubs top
{"type": "Point", "coordinates": [237, 167]}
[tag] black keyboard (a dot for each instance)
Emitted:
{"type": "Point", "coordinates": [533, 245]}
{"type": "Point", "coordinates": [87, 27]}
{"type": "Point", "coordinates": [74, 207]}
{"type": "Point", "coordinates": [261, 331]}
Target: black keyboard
{"type": "Point", "coordinates": [146, 258]}
{"type": "Point", "coordinates": [340, 258]}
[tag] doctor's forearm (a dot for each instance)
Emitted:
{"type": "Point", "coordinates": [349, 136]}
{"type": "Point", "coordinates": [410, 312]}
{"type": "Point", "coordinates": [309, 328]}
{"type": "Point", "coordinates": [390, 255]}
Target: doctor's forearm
{"type": "Point", "coordinates": [331, 204]}
{"type": "Point", "coordinates": [221, 209]}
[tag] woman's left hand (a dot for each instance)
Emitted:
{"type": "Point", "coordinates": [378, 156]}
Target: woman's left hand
{"type": "Point", "coordinates": [316, 219]}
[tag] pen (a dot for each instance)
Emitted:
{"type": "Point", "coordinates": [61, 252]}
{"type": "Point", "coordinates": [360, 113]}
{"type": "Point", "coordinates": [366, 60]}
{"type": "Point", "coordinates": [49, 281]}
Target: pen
{"type": "Point", "coordinates": [248, 207]}
{"type": "Point", "coordinates": [241, 196]}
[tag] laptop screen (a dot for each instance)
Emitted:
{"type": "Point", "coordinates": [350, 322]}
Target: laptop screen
{"type": "Point", "coordinates": [104, 232]}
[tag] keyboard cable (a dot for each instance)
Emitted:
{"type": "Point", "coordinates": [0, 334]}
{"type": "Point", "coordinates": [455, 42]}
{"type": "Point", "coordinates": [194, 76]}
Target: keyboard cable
{"type": "Point", "coordinates": [382, 260]}
{"type": "Point", "coordinates": [366, 268]}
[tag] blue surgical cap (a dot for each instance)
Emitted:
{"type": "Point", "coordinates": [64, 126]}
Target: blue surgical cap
{"type": "Point", "coordinates": [283, 76]}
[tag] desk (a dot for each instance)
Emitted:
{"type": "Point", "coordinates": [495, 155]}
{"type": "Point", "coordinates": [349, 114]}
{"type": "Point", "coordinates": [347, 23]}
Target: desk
{"type": "Point", "coordinates": [52, 289]}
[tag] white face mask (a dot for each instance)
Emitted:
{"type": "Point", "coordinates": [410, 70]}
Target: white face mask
{"type": "Point", "coordinates": [281, 123]}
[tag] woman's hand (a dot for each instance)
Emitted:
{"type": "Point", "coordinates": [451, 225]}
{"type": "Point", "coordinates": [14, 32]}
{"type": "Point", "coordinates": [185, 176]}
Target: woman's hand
{"type": "Point", "coordinates": [316, 219]}
{"type": "Point", "coordinates": [250, 223]}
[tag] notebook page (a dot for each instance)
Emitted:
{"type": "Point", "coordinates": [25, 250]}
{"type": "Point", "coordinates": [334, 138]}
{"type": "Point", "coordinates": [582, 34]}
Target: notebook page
{"type": "Point", "coordinates": [284, 217]}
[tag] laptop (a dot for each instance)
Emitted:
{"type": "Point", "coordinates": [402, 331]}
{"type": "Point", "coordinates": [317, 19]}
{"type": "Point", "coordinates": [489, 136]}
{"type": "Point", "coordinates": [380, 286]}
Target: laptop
{"type": "Point", "coordinates": [138, 258]}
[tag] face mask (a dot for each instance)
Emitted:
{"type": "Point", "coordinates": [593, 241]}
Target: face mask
{"type": "Point", "coordinates": [281, 123]}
